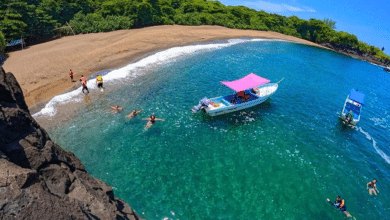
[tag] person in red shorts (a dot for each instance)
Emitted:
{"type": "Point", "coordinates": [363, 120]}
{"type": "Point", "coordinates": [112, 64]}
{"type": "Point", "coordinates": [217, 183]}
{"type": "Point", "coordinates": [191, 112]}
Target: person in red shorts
{"type": "Point", "coordinates": [84, 82]}
{"type": "Point", "coordinates": [71, 75]}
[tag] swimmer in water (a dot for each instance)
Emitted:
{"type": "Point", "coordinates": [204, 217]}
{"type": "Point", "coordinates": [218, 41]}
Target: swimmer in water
{"type": "Point", "coordinates": [371, 186]}
{"type": "Point", "coordinates": [340, 205]}
{"type": "Point", "coordinates": [116, 109]}
{"type": "Point", "coordinates": [151, 121]}
{"type": "Point", "coordinates": [133, 114]}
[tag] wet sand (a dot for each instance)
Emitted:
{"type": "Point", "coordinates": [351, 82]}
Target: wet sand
{"type": "Point", "coordinates": [42, 70]}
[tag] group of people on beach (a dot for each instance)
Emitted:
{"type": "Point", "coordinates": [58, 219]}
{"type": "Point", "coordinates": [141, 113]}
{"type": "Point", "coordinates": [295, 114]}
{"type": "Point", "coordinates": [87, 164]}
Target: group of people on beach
{"type": "Point", "coordinates": [83, 80]}
{"type": "Point", "coordinates": [340, 202]}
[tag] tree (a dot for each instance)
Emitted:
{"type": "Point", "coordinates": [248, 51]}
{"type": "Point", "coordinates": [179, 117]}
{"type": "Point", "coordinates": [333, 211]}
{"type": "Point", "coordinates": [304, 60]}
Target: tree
{"type": "Point", "coordinates": [330, 23]}
{"type": "Point", "coordinates": [2, 42]}
{"type": "Point", "coordinates": [176, 4]}
{"type": "Point", "coordinates": [11, 21]}
{"type": "Point", "coordinates": [144, 14]}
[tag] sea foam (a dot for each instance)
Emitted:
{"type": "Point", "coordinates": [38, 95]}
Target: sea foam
{"type": "Point", "coordinates": [380, 152]}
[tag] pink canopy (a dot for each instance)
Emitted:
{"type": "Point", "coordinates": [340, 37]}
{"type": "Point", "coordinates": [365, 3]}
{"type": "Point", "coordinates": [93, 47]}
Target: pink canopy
{"type": "Point", "coordinates": [250, 81]}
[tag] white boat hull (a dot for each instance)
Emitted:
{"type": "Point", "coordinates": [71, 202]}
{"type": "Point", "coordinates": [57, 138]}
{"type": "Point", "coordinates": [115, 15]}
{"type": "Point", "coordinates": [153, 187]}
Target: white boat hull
{"type": "Point", "coordinates": [343, 115]}
{"type": "Point", "coordinates": [225, 106]}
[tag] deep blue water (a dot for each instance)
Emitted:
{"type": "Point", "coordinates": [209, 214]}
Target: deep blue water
{"type": "Point", "coordinates": [279, 160]}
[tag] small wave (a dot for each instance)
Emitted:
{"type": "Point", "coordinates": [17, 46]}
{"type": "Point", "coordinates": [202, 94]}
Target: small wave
{"type": "Point", "coordinates": [377, 65]}
{"type": "Point", "coordinates": [381, 153]}
{"type": "Point", "coordinates": [50, 110]}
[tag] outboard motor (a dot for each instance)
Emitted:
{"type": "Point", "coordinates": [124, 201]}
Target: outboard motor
{"type": "Point", "coordinates": [203, 103]}
{"type": "Point", "coordinates": [349, 117]}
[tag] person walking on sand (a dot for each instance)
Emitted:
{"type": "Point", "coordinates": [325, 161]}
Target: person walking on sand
{"type": "Point", "coordinates": [99, 82]}
{"type": "Point", "coordinates": [133, 114]}
{"type": "Point", "coordinates": [116, 109]}
{"type": "Point", "coordinates": [340, 205]}
{"type": "Point", "coordinates": [151, 121]}
{"type": "Point", "coordinates": [371, 186]}
{"type": "Point", "coordinates": [84, 82]}
{"type": "Point", "coordinates": [71, 75]}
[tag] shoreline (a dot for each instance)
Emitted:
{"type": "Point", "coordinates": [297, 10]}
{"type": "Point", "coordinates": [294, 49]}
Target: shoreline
{"type": "Point", "coordinates": [42, 70]}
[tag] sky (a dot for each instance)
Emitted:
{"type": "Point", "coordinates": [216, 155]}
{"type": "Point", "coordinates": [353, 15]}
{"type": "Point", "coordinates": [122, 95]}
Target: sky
{"type": "Point", "coordinates": [368, 20]}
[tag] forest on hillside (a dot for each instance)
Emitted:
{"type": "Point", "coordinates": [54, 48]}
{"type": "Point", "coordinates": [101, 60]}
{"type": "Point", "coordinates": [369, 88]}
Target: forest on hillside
{"type": "Point", "coordinates": [38, 19]}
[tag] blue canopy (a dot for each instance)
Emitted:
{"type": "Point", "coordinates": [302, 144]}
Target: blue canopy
{"type": "Point", "coordinates": [356, 96]}
{"type": "Point", "coordinates": [15, 42]}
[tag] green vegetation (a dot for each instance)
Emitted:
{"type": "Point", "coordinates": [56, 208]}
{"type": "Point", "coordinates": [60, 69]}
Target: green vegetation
{"type": "Point", "coordinates": [33, 19]}
{"type": "Point", "coordinates": [2, 42]}
{"type": "Point", "coordinates": [330, 23]}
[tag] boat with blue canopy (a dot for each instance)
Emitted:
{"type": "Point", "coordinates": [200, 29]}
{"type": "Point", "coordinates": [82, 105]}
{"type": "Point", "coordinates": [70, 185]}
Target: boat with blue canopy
{"type": "Point", "coordinates": [352, 108]}
{"type": "Point", "coordinates": [250, 90]}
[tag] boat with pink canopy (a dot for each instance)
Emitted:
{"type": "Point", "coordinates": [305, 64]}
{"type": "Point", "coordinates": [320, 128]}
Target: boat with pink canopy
{"type": "Point", "coordinates": [250, 90]}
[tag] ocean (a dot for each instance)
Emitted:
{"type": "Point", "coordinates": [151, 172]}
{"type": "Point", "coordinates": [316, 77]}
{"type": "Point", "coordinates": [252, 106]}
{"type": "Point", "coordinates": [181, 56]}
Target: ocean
{"type": "Point", "coordinates": [278, 160]}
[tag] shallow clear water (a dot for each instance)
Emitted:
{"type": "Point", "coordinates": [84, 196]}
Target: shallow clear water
{"type": "Point", "coordinates": [279, 160]}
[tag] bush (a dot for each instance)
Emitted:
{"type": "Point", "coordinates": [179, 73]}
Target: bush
{"type": "Point", "coordinates": [2, 42]}
{"type": "Point", "coordinates": [92, 23]}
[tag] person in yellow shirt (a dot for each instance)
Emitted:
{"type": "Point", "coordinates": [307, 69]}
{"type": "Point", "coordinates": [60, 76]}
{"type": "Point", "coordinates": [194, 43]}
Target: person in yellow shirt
{"type": "Point", "coordinates": [99, 81]}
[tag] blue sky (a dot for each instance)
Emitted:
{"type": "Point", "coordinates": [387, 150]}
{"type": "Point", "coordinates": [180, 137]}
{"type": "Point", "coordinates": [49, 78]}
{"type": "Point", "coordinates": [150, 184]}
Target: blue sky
{"type": "Point", "coordinates": [368, 20]}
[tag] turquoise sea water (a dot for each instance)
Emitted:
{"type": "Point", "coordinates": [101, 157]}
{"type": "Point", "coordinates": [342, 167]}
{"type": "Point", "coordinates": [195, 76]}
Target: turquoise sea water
{"type": "Point", "coordinates": [279, 160]}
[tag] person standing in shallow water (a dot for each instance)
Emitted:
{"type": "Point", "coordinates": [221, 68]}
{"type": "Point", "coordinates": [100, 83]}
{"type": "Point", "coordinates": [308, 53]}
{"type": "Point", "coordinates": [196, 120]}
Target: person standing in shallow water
{"type": "Point", "coordinates": [84, 82]}
{"type": "Point", "coordinates": [99, 81]}
{"type": "Point", "coordinates": [371, 186]}
{"type": "Point", "coordinates": [151, 121]}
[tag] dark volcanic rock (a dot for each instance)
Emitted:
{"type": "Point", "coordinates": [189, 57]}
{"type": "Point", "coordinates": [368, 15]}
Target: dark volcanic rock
{"type": "Point", "coordinates": [39, 179]}
{"type": "Point", "coordinates": [369, 57]}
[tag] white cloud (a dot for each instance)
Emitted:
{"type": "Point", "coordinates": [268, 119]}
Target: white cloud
{"type": "Point", "coordinates": [272, 7]}
{"type": "Point", "coordinates": [266, 6]}
{"type": "Point", "coordinates": [291, 8]}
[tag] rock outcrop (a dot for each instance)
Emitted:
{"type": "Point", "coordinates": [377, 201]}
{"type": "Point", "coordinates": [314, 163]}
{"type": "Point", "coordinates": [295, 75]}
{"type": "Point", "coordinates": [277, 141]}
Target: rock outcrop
{"type": "Point", "coordinates": [369, 57]}
{"type": "Point", "coordinates": [39, 179]}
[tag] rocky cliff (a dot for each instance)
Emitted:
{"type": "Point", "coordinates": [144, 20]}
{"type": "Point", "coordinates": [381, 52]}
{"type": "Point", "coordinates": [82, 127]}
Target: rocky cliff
{"type": "Point", "coordinates": [369, 57]}
{"type": "Point", "coordinates": [38, 179]}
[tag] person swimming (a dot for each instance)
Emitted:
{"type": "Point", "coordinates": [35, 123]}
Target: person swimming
{"type": "Point", "coordinates": [371, 186]}
{"type": "Point", "coordinates": [340, 204]}
{"type": "Point", "coordinates": [116, 109]}
{"type": "Point", "coordinates": [133, 114]}
{"type": "Point", "coordinates": [151, 121]}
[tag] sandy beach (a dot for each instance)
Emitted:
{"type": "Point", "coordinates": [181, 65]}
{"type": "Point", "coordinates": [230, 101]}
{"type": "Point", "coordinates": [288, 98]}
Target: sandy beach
{"type": "Point", "coordinates": [42, 70]}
